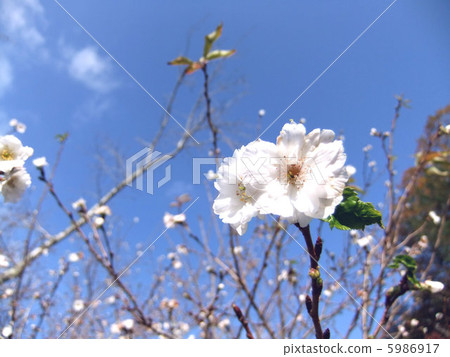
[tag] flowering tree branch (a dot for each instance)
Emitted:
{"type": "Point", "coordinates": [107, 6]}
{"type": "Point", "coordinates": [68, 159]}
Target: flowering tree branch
{"type": "Point", "coordinates": [312, 304]}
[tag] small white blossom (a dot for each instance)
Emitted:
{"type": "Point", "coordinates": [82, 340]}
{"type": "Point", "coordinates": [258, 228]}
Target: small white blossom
{"type": "Point", "coordinates": [169, 304]}
{"type": "Point", "coordinates": [302, 297]}
{"type": "Point", "coordinates": [238, 249]}
{"type": "Point", "coordinates": [261, 112]}
{"type": "Point", "coordinates": [110, 300]}
{"type": "Point", "coordinates": [7, 331]}
{"type": "Point", "coordinates": [435, 218]}
{"type": "Point", "coordinates": [182, 249]}
{"type": "Point", "coordinates": [423, 242]}
{"type": "Point", "coordinates": [414, 322]}
{"type": "Point", "coordinates": [439, 315]}
{"type": "Point", "coordinates": [99, 221]}
{"type": "Point", "coordinates": [354, 233]}
{"type": "Point", "coordinates": [115, 328]}
{"type": "Point", "coordinates": [211, 175]}
{"type": "Point", "coordinates": [184, 327]}
{"type": "Point", "coordinates": [224, 324]}
{"type": "Point", "coordinates": [283, 275]}
{"type": "Point", "coordinates": [372, 163]}
{"type": "Point", "coordinates": [15, 184]}
{"type": "Point", "coordinates": [4, 261]}
{"type": "Point", "coordinates": [40, 162]}
{"type": "Point", "coordinates": [386, 133]}
{"type": "Point", "coordinates": [170, 220]}
{"type": "Point", "coordinates": [221, 286]}
{"type": "Point", "coordinates": [128, 324]}
{"type": "Point", "coordinates": [78, 305]}
{"type": "Point", "coordinates": [327, 293]}
{"type": "Point", "coordinates": [433, 286]}
{"type": "Point", "coordinates": [102, 210]}
{"type": "Point", "coordinates": [401, 328]}
{"type": "Point", "coordinates": [18, 126]}
{"type": "Point", "coordinates": [364, 241]}
{"type": "Point", "coordinates": [79, 205]}
{"type": "Point", "coordinates": [367, 148]}
{"type": "Point", "coordinates": [374, 132]}
{"type": "Point", "coordinates": [9, 292]}
{"type": "Point", "coordinates": [73, 257]}
{"type": "Point", "coordinates": [351, 170]}
{"type": "Point", "coordinates": [177, 264]}
{"type": "Point", "coordinates": [302, 121]}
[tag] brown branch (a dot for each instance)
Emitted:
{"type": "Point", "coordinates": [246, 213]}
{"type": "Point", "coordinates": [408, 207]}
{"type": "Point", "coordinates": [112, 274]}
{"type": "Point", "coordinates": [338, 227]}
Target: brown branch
{"type": "Point", "coordinates": [214, 130]}
{"type": "Point", "coordinates": [391, 296]}
{"type": "Point", "coordinates": [243, 321]}
{"type": "Point", "coordinates": [312, 305]}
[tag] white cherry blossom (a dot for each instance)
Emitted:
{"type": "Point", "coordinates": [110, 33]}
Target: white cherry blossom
{"type": "Point", "coordinates": [312, 174]}
{"type": "Point", "coordinates": [433, 286]}
{"type": "Point", "coordinates": [14, 184]}
{"type": "Point", "coordinates": [40, 162]}
{"type": "Point", "coordinates": [242, 181]}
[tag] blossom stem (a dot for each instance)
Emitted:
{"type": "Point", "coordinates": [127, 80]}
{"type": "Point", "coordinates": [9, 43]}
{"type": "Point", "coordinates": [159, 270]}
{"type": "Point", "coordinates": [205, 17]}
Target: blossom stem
{"type": "Point", "coordinates": [316, 281]}
{"type": "Point", "coordinates": [212, 127]}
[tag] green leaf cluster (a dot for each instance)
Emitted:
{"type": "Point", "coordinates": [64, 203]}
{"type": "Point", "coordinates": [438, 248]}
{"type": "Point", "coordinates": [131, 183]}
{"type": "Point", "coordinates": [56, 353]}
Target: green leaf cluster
{"type": "Point", "coordinates": [208, 55]}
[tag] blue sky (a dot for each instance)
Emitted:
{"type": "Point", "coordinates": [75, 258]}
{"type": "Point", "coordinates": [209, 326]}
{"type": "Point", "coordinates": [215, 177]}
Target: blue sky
{"type": "Point", "coordinates": [56, 79]}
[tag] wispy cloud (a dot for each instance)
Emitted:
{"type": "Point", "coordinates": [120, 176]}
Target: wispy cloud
{"type": "Point", "coordinates": [6, 75]}
{"type": "Point", "coordinates": [18, 22]}
{"type": "Point", "coordinates": [91, 110]}
{"type": "Point", "coordinates": [90, 68]}
{"type": "Point", "coordinates": [20, 34]}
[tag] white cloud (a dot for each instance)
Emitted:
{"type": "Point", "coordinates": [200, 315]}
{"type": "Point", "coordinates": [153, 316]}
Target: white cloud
{"type": "Point", "coordinates": [18, 21]}
{"type": "Point", "coordinates": [91, 69]}
{"type": "Point", "coordinates": [21, 37]}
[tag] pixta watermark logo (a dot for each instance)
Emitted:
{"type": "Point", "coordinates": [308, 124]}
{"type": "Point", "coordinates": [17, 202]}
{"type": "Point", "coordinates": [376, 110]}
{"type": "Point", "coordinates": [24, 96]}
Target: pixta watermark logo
{"type": "Point", "coordinates": [259, 171]}
{"type": "Point", "coordinates": [148, 162]}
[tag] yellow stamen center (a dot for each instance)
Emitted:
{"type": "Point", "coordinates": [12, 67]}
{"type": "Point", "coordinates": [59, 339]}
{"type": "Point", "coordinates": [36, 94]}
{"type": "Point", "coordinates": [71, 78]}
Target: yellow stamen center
{"type": "Point", "coordinates": [241, 192]}
{"type": "Point", "coordinates": [7, 155]}
{"type": "Point", "coordinates": [294, 172]}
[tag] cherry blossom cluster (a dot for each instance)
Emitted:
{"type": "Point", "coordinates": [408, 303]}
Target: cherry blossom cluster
{"type": "Point", "coordinates": [299, 178]}
{"type": "Point", "coordinates": [14, 178]}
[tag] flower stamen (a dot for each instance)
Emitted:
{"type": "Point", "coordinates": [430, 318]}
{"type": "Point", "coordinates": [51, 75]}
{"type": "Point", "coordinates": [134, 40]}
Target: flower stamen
{"type": "Point", "coordinates": [7, 155]}
{"type": "Point", "coordinates": [241, 191]}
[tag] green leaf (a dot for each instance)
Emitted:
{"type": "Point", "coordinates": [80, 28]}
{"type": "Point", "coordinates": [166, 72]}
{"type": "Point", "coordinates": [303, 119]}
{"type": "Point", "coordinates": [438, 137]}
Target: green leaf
{"type": "Point", "coordinates": [334, 223]}
{"type": "Point", "coordinates": [407, 261]}
{"type": "Point", "coordinates": [411, 266]}
{"type": "Point", "coordinates": [352, 213]}
{"type": "Point", "coordinates": [211, 38]}
{"type": "Point", "coordinates": [219, 54]}
{"type": "Point", "coordinates": [61, 137]}
{"type": "Point", "coordinates": [180, 61]}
